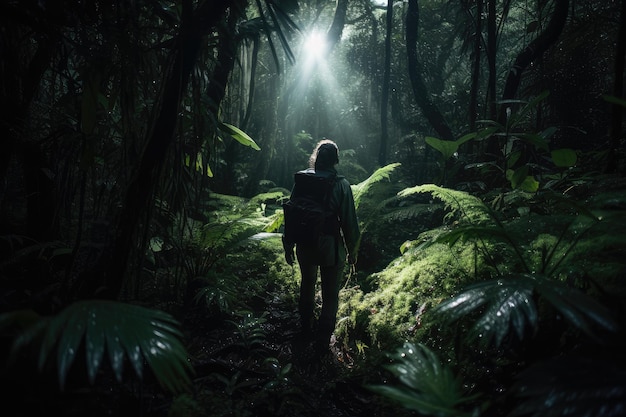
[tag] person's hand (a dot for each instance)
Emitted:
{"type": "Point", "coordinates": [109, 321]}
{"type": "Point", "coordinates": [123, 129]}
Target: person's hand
{"type": "Point", "coordinates": [288, 247]}
{"type": "Point", "coordinates": [289, 256]}
{"type": "Point", "coordinates": [351, 266]}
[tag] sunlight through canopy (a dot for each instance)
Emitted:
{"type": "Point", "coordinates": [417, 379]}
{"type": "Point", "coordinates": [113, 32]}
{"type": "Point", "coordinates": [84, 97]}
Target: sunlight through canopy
{"type": "Point", "coordinates": [315, 46]}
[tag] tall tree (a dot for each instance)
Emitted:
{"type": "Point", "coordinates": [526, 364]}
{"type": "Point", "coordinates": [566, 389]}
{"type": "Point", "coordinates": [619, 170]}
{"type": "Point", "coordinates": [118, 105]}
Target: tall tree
{"type": "Point", "coordinates": [476, 58]}
{"type": "Point", "coordinates": [430, 110]}
{"type": "Point", "coordinates": [534, 50]}
{"type": "Point", "coordinates": [21, 72]}
{"type": "Point", "coordinates": [384, 131]}
{"type": "Point", "coordinates": [491, 57]}
{"type": "Point", "coordinates": [195, 25]}
{"type": "Point", "coordinates": [333, 35]}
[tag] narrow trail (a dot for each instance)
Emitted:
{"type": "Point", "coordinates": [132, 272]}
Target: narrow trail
{"type": "Point", "coordinates": [272, 374]}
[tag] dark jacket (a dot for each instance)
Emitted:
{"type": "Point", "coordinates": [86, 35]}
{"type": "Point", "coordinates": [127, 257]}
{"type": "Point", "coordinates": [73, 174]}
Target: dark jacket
{"type": "Point", "coordinates": [329, 249]}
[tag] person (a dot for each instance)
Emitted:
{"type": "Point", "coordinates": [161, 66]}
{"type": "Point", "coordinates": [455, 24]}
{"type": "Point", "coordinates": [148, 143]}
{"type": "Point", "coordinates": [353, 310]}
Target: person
{"type": "Point", "coordinates": [329, 255]}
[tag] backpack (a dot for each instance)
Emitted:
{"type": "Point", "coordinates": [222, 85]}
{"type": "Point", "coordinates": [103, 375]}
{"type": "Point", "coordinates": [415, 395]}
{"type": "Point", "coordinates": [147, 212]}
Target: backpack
{"type": "Point", "coordinates": [307, 215]}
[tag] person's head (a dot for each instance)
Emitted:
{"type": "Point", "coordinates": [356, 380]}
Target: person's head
{"type": "Point", "coordinates": [325, 155]}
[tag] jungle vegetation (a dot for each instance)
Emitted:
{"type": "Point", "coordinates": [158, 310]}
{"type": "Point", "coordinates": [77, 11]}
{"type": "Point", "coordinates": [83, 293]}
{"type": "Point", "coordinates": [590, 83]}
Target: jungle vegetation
{"type": "Point", "coordinates": [147, 147]}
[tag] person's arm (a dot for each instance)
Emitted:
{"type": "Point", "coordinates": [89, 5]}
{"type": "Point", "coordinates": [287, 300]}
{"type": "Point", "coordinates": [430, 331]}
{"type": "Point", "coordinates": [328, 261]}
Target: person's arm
{"type": "Point", "coordinates": [349, 221]}
{"type": "Point", "coordinates": [288, 246]}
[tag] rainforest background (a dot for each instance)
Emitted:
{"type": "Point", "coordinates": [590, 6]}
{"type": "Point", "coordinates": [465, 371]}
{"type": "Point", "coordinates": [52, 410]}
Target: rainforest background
{"type": "Point", "coordinates": [147, 147]}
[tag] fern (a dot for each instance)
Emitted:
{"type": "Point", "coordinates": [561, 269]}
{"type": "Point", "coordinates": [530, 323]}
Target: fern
{"type": "Point", "coordinates": [230, 226]}
{"type": "Point", "coordinates": [251, 330]}
{"type": "Point", "coordinates": [220, 292]}
{"type": "Point", "coordinates": [461, 204]}
{"type": "Point", "coordinates": [402, 214]}
{"type": "Point", "coordinates": [508, 302]}
{"type": "Point", "coordinates": [379, 175]}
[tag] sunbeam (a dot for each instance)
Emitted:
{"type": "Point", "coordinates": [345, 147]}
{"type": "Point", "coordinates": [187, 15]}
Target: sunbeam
{"type": "Point", "coordinates": [315, 46]}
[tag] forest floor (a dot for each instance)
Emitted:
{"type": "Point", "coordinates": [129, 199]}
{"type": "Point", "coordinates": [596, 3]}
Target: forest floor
{"type": "Point", "coordinates": [238, 374]}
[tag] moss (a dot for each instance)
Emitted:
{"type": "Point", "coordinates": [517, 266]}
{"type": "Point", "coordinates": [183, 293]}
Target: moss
{"type": "Point", "coordinates": [391, 311]}
{"type": "Point", "coordinates": [393, 304]}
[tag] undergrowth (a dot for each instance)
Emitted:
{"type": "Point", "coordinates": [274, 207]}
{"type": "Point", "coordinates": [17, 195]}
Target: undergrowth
{"type": "Point", "coordinates": [483, 295]}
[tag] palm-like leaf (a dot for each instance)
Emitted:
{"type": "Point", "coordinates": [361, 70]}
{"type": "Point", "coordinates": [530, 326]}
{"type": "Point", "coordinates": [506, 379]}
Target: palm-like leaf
{"type": "Point", "coordinates": [510, 307]}
{"type": "Point", "coordinates": [581, 310]}
{"type": "Point", "coordinates": [429, 386]}
{"type": "Point", "coordinates": [124, 330]}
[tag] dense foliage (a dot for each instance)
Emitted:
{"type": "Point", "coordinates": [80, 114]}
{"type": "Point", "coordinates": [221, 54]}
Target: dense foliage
{"type": "Point", "coordinates": [147, 147]}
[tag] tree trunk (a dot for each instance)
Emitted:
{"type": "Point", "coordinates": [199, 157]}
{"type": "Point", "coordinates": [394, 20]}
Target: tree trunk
{"type": "Point", "coordinates": [139, 192]}
{"type": "Point", "coordinates": [333, 35]}
{"type": "Point", "coordinates": [473, 104]}
{"type": "Point", "coordinates": [491, 58]}
{"type": "Point", "coordinates": [533, 51]}
{"type": "Point", "coordinates": [384, 134]}
{"type": "Point", "coordinates": [216, 91]}
{"type": "Point", "coordinates": [20, 85]}
{"type": "Point", "coordinates": [431, 112]}
{"type": "Point", "coordinates": [268, 134]}
{"type": "Point", "coordinates": [530, 53]}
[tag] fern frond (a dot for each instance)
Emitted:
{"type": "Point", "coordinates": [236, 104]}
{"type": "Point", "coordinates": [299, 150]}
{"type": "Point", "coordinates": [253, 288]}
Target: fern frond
{"type": "Point", "coordinates": [466, 206]}
{"type": "Point", "coordinates": [275, 221]}
{"type": "Point", "coordinates": [225, 232]}
{"type": "Point", "coordinates": [220, 292]}
{"type": "Point", "coordinates": [380, 174]}
{"type": "Point", "coordinates": [467, 233]}
{"type": "Point", "coordinates": [400, 214]}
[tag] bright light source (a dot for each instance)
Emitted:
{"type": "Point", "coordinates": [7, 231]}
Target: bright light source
{"type": "Point", "coordinates": [315, 45]}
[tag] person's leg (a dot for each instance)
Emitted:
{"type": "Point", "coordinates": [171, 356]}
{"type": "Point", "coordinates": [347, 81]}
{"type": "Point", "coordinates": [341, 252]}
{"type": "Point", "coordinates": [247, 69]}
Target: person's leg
{"type": "Point", "coordinates": [306, 304]}
{"type": "Point", "coordinates": [331, 281]}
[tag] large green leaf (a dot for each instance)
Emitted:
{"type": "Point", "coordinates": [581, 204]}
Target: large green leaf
{"type": "Point", "coordinates": [615, 100]}
{"type": "Point", "coordinates": [564, 158]}
{"type": "Point", "coordinates": [511, 308]}
{"type": "Point", "coordinates": [448, 147]}
{"type": "Point", "coordinates": [582, 311]}
{"type": "Point", "coordinates": [468, 233]}
{"type": "Point", "coordinates": [521, 180]}
{"type": "Point", "coordinates": [124, 330]}
{"type": "Point", "coordinates": [239, 135]}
